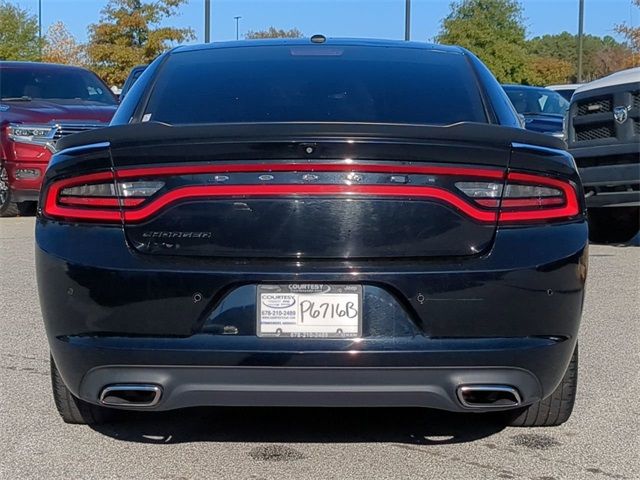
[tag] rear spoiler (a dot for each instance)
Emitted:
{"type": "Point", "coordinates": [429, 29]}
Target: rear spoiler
{"type": "Point", "coordinates": [160, 133]}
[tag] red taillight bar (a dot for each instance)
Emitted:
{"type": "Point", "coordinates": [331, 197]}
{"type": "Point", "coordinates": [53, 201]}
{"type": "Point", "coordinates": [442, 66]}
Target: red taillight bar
{"type": "Point", "coordinates": [571, 207]}
{"type": "Point", "coordinates": [135, 210]}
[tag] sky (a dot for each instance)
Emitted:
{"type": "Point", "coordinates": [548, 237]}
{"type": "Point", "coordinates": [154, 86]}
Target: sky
{"type": "Point", "coordinates": [344, 18]}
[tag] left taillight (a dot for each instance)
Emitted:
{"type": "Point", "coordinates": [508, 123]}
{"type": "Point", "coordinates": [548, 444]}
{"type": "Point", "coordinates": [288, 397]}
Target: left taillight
{"type": "Point", "coordinates": [96, 197]}
{"type": "Point", "coordinates": [525, 197]}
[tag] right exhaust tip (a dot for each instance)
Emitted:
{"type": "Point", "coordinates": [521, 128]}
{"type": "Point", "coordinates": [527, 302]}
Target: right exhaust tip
{"type": "Point", "coordinates": [488, 396]}
{"type": "Point", "coordinates": [131, 395]}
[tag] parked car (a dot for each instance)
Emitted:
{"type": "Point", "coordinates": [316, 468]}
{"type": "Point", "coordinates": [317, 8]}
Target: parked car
{"type": "Point", "coordinates": [131, 79]}
{"type": "Point", "coordinates": [251, 232]}
{"type": "Point", "coordinates": [604, 137]}
{"type": "Point", "coordinates": [566, 90]}
{"type": "Point", "coordinates": [543, 109]}
{"type": "Point", "coordinates": [40, 104]}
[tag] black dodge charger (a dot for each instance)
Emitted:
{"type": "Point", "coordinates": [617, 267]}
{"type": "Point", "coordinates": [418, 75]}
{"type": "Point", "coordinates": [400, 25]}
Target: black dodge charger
{"type": "Point", "coordinates": [313, 223]}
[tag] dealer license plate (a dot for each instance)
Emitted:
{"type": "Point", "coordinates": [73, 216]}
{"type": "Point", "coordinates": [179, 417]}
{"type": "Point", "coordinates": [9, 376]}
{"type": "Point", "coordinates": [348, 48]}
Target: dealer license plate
{"type": "Point", "coordinates": [303, 310]}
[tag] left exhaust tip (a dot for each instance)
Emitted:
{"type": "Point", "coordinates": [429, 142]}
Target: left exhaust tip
{"type": "Point", "coordinates": [488, 396]}
{"type": "Point", "coordinates": [131, 395]}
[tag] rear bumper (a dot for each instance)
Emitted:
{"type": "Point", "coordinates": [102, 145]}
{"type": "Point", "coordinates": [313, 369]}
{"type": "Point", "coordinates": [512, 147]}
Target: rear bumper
{"type": "Point", "coordinates": [508, 317]}
{"type": "Point", "coordinates": [312, 386]}
{"type": "Point", "coordinates": [425, 374]}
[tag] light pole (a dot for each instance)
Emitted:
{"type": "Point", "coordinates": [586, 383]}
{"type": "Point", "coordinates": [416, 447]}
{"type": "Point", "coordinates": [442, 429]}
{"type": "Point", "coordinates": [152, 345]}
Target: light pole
{"type": "Point", "coordinates": [407, 20]}
{"type": "Point", "coordinates": [580, 38]}
{"type": "Point", "coordinates": [207, 21]}
{"type": "Point", "coordinates": [237, 19]}
{"type": "Point", "coordinates": [40, 27]}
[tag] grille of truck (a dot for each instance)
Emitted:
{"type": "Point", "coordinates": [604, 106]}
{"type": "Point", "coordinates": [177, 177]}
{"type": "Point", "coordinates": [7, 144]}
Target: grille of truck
{"type": "Point", "coordinates": [592, 120]}
{"type": "Point", "coordinates": [588, 132]}
{"type": "Point", "coordinates": [592, 106]}
{"type": "Point", "coordinates": [65, 129]}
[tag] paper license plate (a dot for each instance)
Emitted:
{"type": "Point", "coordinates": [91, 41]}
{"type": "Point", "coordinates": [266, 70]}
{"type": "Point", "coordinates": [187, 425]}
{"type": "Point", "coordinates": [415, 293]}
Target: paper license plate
{"type": "Point", "coordinates": [303, 310]}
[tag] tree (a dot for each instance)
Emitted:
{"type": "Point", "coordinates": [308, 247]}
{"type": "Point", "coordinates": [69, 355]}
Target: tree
{"type": "Point", "coordinates": [273, 32]}
{"type": "Point", "coordinates": [632, 34]}
{"type": "Point", "coordinates": [18, 34]}
{"type": "Point", "coordinates": [62, 47]}
{"type": "Point", "coordinates": [601, 55]}
{"type": "Point", "coordinates": [129, 34]}
{"type": "Point", "coordinates": [548, 70]}
{"type": "Point", "coordinates": [493, 30]}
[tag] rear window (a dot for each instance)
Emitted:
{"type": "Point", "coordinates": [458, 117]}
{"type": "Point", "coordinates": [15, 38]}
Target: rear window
{"type": "Point", "coordinates": [315, 84]}
{"type": "Point", "coordinates": [61, 85]}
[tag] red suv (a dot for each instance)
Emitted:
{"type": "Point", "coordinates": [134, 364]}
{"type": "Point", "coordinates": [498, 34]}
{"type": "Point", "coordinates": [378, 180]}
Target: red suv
{"type": "Point", "coordinates": [39, 104]}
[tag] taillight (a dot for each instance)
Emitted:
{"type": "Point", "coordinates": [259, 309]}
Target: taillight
{"type": "Point", "coordinates": [481, 194]}
{"type": "Point", "coordinates": [525, 197]}
{"type": "Point", "coordinates": [96, 197]}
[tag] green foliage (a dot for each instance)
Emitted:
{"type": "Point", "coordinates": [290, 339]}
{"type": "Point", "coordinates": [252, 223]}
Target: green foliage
{"type": "Point", "coordinates": [129, 34]}
{"type": "Point", "coordinates": [18, 34]}
{"type": "Point", "coordinates": [601, 55]}
{"type": "Point", "coordinates": [548, 71]}
{"type": "Point", "coordinates": [494, 31]}
{"type": "Point", "coordinates": [273, 32]}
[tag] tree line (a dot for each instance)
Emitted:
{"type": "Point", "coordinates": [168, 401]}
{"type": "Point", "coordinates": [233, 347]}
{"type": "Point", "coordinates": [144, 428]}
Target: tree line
{"type": "Point", "coordinates": [133, 32]}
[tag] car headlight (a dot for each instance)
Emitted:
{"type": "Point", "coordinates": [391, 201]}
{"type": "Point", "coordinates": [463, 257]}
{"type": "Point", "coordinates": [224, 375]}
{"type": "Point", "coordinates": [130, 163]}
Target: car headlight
{"type": "Point", "coordinates": [38, 134]}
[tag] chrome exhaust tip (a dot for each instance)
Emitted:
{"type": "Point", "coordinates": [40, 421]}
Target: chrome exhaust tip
{"type": "Point", "coordinates": [488, 396]}
{"type": "Point", "coordinates": [131, 395]}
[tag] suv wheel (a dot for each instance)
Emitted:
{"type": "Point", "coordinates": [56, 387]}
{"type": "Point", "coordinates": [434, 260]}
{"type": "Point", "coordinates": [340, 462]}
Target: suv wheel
{"type": "Point", "coordinates": [555, 409]}
{"type": "Point", "coordinates": [71, 408]}
{"type": "Point", "coordinates": [7, 207]}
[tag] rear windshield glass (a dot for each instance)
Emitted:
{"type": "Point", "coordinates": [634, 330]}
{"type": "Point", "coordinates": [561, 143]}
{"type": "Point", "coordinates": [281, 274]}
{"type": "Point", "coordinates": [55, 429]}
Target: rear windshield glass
{"type": "Point", "coordinates": [315, 83]}
{"type": "Point", "coordinates": [62, 85]}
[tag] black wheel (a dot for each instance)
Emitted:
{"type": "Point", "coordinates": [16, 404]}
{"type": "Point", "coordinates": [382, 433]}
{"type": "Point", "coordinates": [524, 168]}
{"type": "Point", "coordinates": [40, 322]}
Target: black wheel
{"type": "Point", "coordinates": [7, 207]}
{"type": "Point", "coordinates": [555, 409]}
{"type": "Point", "coordinates": [71, 408]}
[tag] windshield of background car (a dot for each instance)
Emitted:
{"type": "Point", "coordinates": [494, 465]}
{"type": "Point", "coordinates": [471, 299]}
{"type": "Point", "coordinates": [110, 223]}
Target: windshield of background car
{"type": "Point", "coordinates": [60, 85]}
{"type": "Point", "coordinates": [315, 83]}
{"type": "Point", "coordinates": [532, 101]}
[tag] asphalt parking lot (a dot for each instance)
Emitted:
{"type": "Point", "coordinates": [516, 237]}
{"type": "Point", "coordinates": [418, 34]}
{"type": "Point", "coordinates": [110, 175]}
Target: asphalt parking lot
{"type": "Point", "coordinates": [601, 441]}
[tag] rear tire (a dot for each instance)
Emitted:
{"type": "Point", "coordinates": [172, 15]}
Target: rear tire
{"type": "Point", "coordinates": [72, 409]}
{"type": "Point", "coordinates": [555, 409]}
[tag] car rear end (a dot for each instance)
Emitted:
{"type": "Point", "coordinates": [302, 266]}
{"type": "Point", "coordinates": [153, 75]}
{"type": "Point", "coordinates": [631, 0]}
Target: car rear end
{"type": "Point", "coordinates": [311, 241]}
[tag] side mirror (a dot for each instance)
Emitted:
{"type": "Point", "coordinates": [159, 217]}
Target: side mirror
{"type": "Point", "coordinates": [522, 120]}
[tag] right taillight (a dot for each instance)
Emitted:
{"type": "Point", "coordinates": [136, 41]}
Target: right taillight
{"type": "Point", "coordinates": [525, 197]}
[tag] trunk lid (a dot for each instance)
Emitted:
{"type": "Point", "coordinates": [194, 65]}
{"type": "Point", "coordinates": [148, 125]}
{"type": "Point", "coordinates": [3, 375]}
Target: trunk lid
{"type": "Point", "coordinates": [311, 191]}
